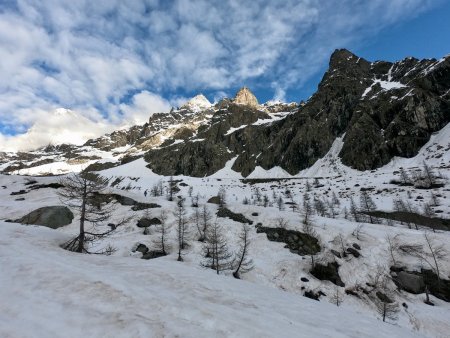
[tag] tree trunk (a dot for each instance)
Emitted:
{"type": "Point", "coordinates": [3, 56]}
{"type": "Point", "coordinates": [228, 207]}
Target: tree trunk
{"type": "Point", "coordinates": [81, 237]}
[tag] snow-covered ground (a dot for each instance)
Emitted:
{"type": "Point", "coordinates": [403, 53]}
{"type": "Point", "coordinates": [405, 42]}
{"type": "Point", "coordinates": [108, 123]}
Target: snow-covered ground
{"type": "Point", "coordinates": [123, 295]}
{"type": "Point", "coordinates": [48, 292]}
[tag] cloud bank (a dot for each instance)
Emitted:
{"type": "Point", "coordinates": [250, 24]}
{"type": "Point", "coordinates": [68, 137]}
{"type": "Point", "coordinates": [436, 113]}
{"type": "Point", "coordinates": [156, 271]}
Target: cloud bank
{"type": "Point", "coordinates": [115, 62]}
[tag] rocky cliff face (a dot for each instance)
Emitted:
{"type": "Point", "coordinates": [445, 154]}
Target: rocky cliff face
{"type": "Point", "coordinates": [384, 109]}
{"type": "Point", "coordinates": [245, 97]}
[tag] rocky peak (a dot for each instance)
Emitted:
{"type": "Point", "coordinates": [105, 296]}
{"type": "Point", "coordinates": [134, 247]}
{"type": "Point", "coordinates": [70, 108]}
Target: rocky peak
{"type": "Point", "coordinates": [347, 62]}
{"type": "Point", "coordinates": [197, 103]}
{"type": "Point", "coordinates": [341, 56]}
{"type": "Point", "coordinates": [245, 97]}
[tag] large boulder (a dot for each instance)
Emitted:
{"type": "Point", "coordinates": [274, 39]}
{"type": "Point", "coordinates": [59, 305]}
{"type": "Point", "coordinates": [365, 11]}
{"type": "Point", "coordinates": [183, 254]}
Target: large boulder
{"type": "Point", "coordinates": [410, 282]}
{"type": "Point", "coordinates": [53, 217]}
{"type": "Point", "coordinates": [297, 242]}
{"type": "Point", "coordinates": [328, 272]}
{"type": "Point", "coordinates": [147, 222]}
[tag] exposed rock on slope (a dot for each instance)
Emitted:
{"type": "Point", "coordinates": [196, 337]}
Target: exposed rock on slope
{"type": "Point", "coordinates": [245, 97]}
{"type": "Point", "coordinates": [52, 217]}
{"type": "Point", "coordinates": [385, 109]}
{"type": "Point", "coordinates": [210, 149]}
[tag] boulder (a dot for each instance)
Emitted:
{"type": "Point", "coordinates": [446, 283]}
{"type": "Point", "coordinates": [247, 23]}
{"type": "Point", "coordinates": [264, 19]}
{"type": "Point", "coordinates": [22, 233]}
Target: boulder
{"type": "Point", "coordinates": [142, 206]}
{"type": "Point", "coordinates": [304, 245]}
{"type": "Point", "coordinates": [142, 248]}
{"type": "Point", "coordinates": [146, 222]}
{"type": "Point", "coordinates": [354, 252]}
{"type": "Point", "coordinates": [214, 200]}
{"type": "Point", "coordinates": [125, 200]}
{"type": "Point", "coordinates": [227, 213]}
{"type": "Point", "coordinates": [311, 294]}
{"type": "Point", "coordinates": [152, 254]}
{"type": "Point", "coordinates": [356, 246]}
{"type": "Point", "coordinates": [53, 217]}
{"type": "Point", "coordinates": [410, 282]}
{"type": "Point", "coordinates": [327, 272]}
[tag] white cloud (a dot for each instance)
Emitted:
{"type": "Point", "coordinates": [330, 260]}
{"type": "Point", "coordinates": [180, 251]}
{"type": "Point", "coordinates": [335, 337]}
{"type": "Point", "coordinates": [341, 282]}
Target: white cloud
{"type": "Point", "coordinates": [59, 126]}
{"type": "Point", "coordinates": [142, 106]}
{"type": "Point", "coordinates": [88, 56]}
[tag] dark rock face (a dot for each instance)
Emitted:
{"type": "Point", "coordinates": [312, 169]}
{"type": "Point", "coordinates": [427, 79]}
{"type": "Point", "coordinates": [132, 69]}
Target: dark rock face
{"type": "Point", "coordinates": [52, 217]}
{"type": "Point", "coordinates": [415, 282]}
{"type": "Point", "coordinates": [384, 109]}
{"type": "Point", "coordinates": [100, 166]}
{"type": "Point", "coordinates": [297, 242]}
{"type": "Point", "coordinates": [327, 272]}
{"type": "Point", "coordinates": [205, 157]}
{"type": "Point", "coordinates": [224, 212]}
{"type": "Point", "coordinates": [127, 201]}
{"type": "Point", "coordinates": [147, 222]}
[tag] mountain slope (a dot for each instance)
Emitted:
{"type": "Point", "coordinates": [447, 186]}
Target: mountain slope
{"type": "Point", "coordinates": [380, 110]}
{"type": "Point", "coordinates": [385, 110]}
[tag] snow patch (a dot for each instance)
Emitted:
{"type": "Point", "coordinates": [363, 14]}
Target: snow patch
{"type": "Point", "coordinates": [275, 172]}
{"type": "Point", "coordinates": [227, 172]}
{"type": "Point", "coordinates": [232, 130]}
{"type": "Point", "coordinates": [197, 103]}
{"type": "Point", "coordinates": [385, 85]}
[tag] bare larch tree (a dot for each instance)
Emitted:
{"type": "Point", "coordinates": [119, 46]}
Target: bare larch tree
{"type": "Point", "coordinates": [162, 230]}
{"type": "Point", "coordinates": [82, 192]}
{"type": "Point", "coordinates": [182, 227]}
{"type": "Point", "coordinates": [204, 222]}
{"type": "Point", "coordinates": [367, 205]}
{"type": "Point", "coordinates": [217, 254]}
{"type": "Point", "coordinates": [243, 263]}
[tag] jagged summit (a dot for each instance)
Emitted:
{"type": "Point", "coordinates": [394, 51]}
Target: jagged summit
{"type": "Point", "coordinates": [197, 103]}
{"type": "Point", "coordinates": [245, 97]}
{"type": "Point", "coordinates": [348, 62]}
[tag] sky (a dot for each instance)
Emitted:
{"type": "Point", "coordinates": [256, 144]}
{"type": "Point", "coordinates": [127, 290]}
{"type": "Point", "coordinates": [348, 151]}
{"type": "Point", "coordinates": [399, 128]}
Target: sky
{"type": "Point", "coordinates": [73, 70]}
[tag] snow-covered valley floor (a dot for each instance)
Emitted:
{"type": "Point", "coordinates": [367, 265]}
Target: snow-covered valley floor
{"type": "Point", "coordinates": [48, 292]}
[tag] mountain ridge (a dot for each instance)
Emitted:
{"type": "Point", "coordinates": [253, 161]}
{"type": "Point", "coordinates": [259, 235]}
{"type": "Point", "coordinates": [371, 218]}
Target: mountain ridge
{"type": "Point", "coordinates": [383, 109]}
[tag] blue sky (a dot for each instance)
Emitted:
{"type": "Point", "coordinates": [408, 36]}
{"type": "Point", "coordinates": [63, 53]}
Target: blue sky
{"type": "Point", "coordinates": [114, 63]}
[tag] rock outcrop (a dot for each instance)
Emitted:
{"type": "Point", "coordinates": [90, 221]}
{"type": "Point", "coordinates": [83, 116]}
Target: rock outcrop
{"type": "Point", "coordinates": [52, 217]}
{"type": "Point", "coordinates": [245, 97]}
